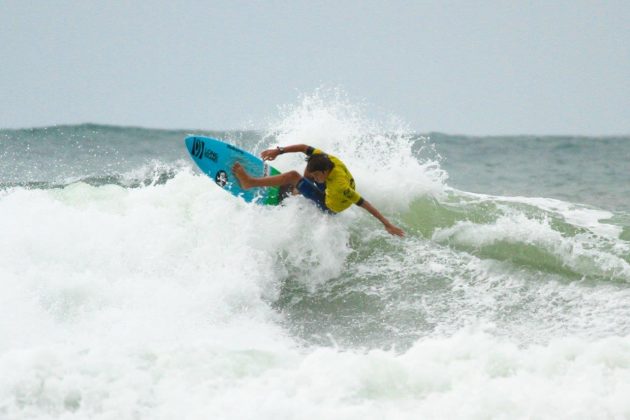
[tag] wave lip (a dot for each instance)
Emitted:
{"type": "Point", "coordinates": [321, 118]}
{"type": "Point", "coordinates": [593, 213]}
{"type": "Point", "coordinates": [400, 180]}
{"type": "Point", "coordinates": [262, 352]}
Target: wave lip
{"type": "Point", "coordinates": [544, 234]}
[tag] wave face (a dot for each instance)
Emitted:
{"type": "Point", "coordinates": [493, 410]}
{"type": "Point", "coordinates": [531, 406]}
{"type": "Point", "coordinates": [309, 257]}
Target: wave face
{"type": "Point", "coordinates": [132, 287]}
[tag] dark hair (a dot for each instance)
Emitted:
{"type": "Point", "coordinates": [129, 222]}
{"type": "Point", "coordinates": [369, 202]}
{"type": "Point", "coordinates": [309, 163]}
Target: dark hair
{"type": "Point", "coordinates": [319, 162]}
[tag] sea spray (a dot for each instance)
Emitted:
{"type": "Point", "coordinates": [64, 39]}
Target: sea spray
{"type": "Point", "coordinates": [386, 158]}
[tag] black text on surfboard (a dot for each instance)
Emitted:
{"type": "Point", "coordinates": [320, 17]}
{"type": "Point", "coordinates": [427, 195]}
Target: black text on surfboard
{"type": "Point", "coordinates": [199, 151]}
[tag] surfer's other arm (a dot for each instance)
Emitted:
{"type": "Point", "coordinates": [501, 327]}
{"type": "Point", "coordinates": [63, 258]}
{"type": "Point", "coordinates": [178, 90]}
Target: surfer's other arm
{"type": "Point", "coordinates": [388, 225]}
{"type": "Point", "coordinates": [271, 154]}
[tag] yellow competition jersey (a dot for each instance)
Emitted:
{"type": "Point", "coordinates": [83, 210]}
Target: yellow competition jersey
{"type": "Point", "coordinates": [340, 186]}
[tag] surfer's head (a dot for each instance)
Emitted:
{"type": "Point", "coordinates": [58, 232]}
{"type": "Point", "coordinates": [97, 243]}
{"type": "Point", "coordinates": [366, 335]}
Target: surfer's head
{"type": "Point", "coordinates": [319, 166]}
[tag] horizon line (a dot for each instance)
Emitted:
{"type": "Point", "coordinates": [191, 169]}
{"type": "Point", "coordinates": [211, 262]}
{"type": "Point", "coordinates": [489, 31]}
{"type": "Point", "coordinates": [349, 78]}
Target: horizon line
{"type": "Point", "coordinates": [215, 130]}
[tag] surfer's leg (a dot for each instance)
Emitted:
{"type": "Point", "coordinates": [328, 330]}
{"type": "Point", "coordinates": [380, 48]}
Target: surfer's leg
{"type": "Point", "coordinates": [247, 181]}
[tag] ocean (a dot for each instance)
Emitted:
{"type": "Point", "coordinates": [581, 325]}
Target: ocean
{"type": "Point", "coordinates": [132, 287]}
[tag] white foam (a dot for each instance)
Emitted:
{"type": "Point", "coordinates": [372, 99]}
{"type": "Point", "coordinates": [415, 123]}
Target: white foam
{"type": "Point", "coordinates": [95, 250]}
{"type": "Point", "coordinates": [155, 303]}
{"type": "Point", "coordinates": [468, 375]}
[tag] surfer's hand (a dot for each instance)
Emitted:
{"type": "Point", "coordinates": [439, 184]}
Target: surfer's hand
{"type": "Point", "coordinates": [394, 230]}
{"type": "Point", "coordinates": [270, 154]}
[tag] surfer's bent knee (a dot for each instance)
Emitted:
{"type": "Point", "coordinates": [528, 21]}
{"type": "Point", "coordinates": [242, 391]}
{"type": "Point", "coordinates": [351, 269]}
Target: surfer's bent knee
{"type": "Point", "coordinates": [295, 177]}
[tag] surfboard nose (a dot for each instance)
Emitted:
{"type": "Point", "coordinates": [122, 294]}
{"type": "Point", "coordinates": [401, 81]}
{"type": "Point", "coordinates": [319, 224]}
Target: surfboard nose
{"type": "Point", "coordinates": [216, 158]}
{"type": "Point", "coordinates": [189, 141]}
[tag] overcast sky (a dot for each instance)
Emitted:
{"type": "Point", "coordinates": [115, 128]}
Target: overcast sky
{"type": "Point", "coordinates": [472, 67]}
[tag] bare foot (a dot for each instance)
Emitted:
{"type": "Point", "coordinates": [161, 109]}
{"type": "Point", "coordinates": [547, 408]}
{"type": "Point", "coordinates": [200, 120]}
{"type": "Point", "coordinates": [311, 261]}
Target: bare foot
{"type": "Point", "coordinates": [241, 175]}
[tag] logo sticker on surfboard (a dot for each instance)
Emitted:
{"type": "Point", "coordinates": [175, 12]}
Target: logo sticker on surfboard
{"type": "Point", "coordinates": [221, 178]}
{"type": "Point", "coordinates": [197, 149]}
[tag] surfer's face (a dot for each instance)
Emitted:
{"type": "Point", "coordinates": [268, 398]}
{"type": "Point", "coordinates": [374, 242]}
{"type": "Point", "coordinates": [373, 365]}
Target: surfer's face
{"type": "Point", "coordinates": [319, 176]}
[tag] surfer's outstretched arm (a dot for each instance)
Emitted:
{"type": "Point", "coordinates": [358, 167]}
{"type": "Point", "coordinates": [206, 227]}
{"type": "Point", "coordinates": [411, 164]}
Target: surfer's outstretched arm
{"type": "Point", "coordinates": [271, 154]}
{"type": "Point", "coordinates": [388, 226]}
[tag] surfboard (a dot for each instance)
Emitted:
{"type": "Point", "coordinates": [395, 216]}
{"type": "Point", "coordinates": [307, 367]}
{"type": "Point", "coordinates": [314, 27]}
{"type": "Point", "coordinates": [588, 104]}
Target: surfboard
{"type": "Point", "coordinates": [215, 158]}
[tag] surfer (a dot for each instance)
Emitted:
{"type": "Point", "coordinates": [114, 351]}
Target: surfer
{"type": "Point", "coordinates": [326, 181]}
